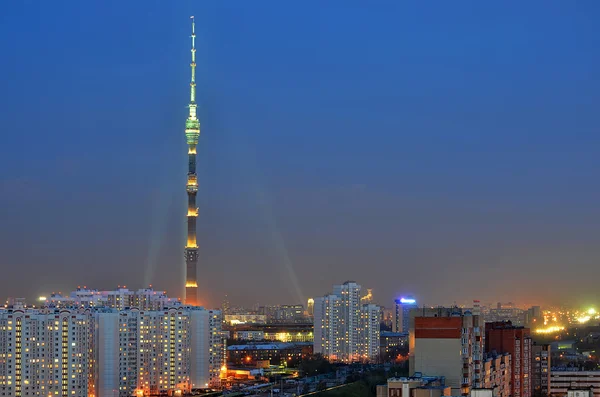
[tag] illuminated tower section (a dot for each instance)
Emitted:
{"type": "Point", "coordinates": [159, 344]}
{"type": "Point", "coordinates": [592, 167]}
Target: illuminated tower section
{"type": "Point", "coordinates": [192, 132]}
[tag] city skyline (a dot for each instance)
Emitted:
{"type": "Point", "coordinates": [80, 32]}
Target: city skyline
{"type": "Point", "coordinates": [406, 153]}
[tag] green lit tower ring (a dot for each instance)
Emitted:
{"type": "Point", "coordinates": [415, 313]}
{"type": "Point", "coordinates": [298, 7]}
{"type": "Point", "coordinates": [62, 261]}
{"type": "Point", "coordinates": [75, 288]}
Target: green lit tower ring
{"type": "Point", "coordinates": [192, 132]}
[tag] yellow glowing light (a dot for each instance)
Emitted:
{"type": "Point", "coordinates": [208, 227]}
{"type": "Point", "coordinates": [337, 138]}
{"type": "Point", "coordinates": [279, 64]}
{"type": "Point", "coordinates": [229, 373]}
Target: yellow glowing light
{"type": "Point", "coordinates": [549, 330]}
{"type": "Point", "coordinates": [191, 284]}
{"type": "Point", "coordinates": [192, 151]}
{"type": "Point", "coordinates": [42, 298]}
{"type": "Point", "coordinates": [591, 311]}
{"type": "Point", "coordinates": [584, 319]}
{"type": "Point", "coordinates": [193, 212]}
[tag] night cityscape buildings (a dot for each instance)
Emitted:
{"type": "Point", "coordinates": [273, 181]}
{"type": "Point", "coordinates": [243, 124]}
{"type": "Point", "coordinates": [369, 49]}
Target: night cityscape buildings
{"type": "Point", "coordinates": [141, 342]}
{"type": "Point", "coordinates": [344, 329]}
{"type": "Point", "coordinates": [90, 348]}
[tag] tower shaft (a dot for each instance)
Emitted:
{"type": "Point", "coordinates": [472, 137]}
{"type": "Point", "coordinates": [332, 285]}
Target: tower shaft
{"type": "Point", "coordinates": [192, 132]}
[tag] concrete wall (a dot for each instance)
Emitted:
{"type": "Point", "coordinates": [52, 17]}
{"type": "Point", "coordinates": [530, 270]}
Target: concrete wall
{"type": "Point", "coordinates": [439, 357]}
{"type": "Point", "coordinates": [199, 334]}
{"type": "Point", "coordinates": [107, 355]}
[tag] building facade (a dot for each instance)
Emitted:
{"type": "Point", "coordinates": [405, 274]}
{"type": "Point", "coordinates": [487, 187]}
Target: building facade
{"type": "Point", "coordinates": [120, 298]}
{"type": "Point", "coordinates": [496, 376]}
{"type": "Point", "coordinates": [369, 332]}
{"type": "Point", "coordinates": [391, 343]}
{"type": "Point", "coordinates": [274, 333]}
{"type": "Point", "coordinates": [45, 352]}
{"type": "Point", "coordinates": [108, 352]}
{"type": "Point", "coordinates": [285, 314]}
{"type": "Point", "coordinates": [503, 337]}
{"type": "Point", "coordinates": [278, 353]}
{"type": "Point", "coordinates": [402, 307]}
{"type": "Point", "coordinates": [541, 362]}
{"type": "Point", "coordinates": [447, 342]}
{"type": "Point", "coordinates": [153, 352]}
{"type": "Point", "coordinates": [345, 329]}
{"type": "Point", "coordinates": [562, 382]}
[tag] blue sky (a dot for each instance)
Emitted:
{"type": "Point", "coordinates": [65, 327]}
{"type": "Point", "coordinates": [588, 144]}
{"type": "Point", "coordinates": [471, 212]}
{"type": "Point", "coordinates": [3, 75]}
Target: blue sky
{"type": "Point", "coordinates": [411, 147]}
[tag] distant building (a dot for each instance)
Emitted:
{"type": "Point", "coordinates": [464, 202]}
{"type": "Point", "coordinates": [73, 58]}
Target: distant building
{"type": "Point", "coordinates": [402, 313]}
{"type": "Point", "coordinates": [563, 383]}
{"type": "Point", "coordinates": [533, 317]}
{"type": "Point", "coordinates": [249, 335]}
{"type": "Point", "coordinates": [121, 299]}
{"type": "Point", "coordinates": [505, 312]}
{"type": "Point", "coordinates": [275, 353]}
{"type": "Point", "coordinates": [245, 318]}
{"type": "Point", "coordinates": [391, 342]}
{"type": "Point", "coordinates": [284, 314]}
{"type": "Point", "coordinates": [503, 337]}
{"type": "Point", "coordinates": [447, 342]}
{"type": "Point", "coordinates": [274, 333]}
{"type": "Point", "coordinates": [540, 369]}
{"type": "Point", "coordinates": [345, 329]}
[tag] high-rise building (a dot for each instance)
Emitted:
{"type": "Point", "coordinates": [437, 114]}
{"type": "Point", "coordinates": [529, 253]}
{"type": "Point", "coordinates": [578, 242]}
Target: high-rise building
{"type": "Point", "coordinates": [192, 133]}
{"type": "Point", "coordinates": [344, 329]}
{"type": "Point", "coordinates": [447, 342]}
{"type": "Point", "coordinates": [402, 313]}
{"type": "Point", "coordinates": [540, 369]}
{"type": "Point", "coordinates": [45, 353]}
{"type": "Point", "coordinates": [103, 351]}
{"type": "Point", "coordinates": [349, 320]}
{"type": "Point", "coordinates": [326, 323]}
{"type": "Point", "coordinates": [503, 337]}
{"type": "Point", "coordinates": [157, 351]}
{"type": "Point", "coordinates": [369, 332]}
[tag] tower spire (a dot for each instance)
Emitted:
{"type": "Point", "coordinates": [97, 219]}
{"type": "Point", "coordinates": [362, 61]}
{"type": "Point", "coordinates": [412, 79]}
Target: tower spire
{"type": "Point", "coordinates": [192, 133]}
{"type": "Point", "coordinates": [193, 64]}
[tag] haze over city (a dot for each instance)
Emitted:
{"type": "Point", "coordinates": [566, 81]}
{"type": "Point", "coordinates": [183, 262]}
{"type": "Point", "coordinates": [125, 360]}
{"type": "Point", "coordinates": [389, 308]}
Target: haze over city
{"type": "Point", "coordinates": [415, 149]}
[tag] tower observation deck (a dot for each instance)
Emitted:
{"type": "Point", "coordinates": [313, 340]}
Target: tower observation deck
{"type": "Point", "coordinates": [192, 132]}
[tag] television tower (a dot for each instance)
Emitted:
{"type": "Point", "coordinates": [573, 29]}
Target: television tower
{"type": "Point", "coordinates": [192, 132]}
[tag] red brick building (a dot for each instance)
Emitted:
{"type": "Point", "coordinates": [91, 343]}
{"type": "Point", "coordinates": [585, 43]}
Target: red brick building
{"type": "Point", "coordinates": [503, 337]}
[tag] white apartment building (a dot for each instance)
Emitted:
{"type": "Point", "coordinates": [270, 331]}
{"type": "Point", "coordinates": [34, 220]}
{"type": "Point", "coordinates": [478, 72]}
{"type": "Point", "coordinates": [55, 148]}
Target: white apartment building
{"type": "Point", "coordinates": [344, 329]}
{"type": "Point", "coordinates": [326, 319]}
{"type": "Point", "coordinates": [44, 353]}
{"type": "Point", "coordinates": [369, 335]}
{"type": "Point", "coordinates": [105, 352]}
{"type": "Point", "coordinates": [157, 351]}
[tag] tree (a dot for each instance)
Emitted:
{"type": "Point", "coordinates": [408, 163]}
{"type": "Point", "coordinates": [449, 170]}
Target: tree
{"type": "Point", "coordinates": [315, 365]}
